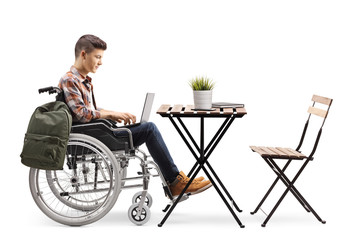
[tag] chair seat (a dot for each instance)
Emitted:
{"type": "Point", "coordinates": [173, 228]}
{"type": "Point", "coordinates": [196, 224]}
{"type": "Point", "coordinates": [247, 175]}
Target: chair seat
{"type": "Point", "coordinates": [278, 152]}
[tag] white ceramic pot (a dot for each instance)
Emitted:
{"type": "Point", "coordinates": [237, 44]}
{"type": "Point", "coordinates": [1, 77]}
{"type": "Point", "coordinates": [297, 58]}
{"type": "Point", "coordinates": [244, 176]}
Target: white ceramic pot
{"type": "Point", "coordinates": [203, 99]}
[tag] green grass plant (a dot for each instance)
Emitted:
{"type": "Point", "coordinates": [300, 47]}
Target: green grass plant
{"type": "Point", "coordinates": [201, 84]}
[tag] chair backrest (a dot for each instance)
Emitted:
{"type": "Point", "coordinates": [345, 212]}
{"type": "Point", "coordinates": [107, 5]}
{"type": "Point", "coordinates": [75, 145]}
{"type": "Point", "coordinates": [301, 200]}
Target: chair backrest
{"type": "Point", "coordinates": [319, 112]}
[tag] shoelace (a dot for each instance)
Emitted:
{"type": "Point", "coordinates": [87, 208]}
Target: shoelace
{"type": "Point", "coordinates": [187, 179]}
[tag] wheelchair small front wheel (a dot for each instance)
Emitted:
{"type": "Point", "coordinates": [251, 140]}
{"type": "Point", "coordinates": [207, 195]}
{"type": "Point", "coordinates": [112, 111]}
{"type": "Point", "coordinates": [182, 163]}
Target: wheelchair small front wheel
{"type": "Point", "coordinates": [137, 198]}
{"type": "Point", "coordinates": [139, 216]}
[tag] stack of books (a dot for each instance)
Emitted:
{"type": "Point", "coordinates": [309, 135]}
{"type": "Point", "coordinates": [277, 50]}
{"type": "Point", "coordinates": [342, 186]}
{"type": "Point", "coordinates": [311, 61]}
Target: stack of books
{"type": "Point", "coordinates": [227, 105]}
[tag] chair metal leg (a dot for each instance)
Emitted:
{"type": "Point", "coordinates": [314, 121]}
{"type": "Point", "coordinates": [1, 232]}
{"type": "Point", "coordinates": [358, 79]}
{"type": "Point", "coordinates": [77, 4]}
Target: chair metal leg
{"type": "Point", "coordinates": [270, 189]}
{"type": "Point", "coordinates": [293, 190]}
{"type": "Point", "coordinates": [290, 187]}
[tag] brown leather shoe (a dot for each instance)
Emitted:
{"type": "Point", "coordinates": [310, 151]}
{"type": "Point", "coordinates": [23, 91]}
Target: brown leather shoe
{"type": "Point", "coordinates": [199, 179]}
{"type": "Point", "coordinates": [195, 187]}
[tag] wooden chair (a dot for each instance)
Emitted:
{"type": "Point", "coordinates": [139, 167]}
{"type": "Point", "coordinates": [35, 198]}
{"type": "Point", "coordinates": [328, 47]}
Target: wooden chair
{"type": "Point", "coordinates": [269, 154]}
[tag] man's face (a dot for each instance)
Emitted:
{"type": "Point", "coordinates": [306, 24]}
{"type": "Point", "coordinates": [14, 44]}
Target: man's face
{"type": "Point", "coordinates": [93, 60]}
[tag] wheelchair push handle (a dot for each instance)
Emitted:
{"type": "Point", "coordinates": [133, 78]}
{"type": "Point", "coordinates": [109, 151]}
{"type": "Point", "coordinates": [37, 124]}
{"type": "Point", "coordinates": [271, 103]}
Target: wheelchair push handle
{"type": "Point", "coordinates": [51, 90]}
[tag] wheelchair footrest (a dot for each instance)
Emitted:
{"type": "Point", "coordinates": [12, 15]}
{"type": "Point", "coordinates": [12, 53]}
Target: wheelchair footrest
{"type": "Point", "coordinates": [183, 198]}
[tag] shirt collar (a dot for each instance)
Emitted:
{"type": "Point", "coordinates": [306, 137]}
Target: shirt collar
{"type": "Point", "coordinates": [79, 75]}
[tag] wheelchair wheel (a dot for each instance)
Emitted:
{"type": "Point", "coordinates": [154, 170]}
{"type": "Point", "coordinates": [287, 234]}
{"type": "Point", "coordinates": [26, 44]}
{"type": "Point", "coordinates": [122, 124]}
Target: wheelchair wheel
{"type": "Point", "coordinates": [137, 216]}
{"type": "Point", "coordinates": [85, 190]}
{"type": "Point", "coordinates": [148, 199]}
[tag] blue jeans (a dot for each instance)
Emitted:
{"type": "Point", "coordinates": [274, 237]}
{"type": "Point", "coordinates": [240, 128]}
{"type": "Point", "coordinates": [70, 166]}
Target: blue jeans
{"type": "Point", "coordinates": [148, 133]}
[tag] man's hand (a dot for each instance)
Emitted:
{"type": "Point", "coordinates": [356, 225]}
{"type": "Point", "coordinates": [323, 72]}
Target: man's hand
{"type": "Point", "coordinates": [126, 117]}
{"type": "Point", "coordinates": [118, 116]}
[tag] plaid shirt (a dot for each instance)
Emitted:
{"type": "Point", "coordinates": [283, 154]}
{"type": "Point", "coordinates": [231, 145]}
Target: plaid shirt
{"type": "Point", "coordinates": [78, 93]}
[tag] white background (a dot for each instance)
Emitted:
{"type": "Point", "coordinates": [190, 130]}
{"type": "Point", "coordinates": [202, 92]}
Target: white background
{"type": "Point", "coordinates": [270, 55]}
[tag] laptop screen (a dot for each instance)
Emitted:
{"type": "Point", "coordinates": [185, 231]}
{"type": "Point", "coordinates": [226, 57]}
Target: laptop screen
{"type": "Point", "coordinates": [147, 107]}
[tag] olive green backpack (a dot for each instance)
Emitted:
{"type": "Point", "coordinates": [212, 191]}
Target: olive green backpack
{"type": "Point", "coordinates": [47, 136]}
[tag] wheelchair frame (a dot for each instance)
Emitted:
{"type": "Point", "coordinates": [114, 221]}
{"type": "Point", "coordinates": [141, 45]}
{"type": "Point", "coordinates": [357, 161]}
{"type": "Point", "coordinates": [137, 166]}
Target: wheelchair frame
{"type": "Point", "coordinates": [76, 195]}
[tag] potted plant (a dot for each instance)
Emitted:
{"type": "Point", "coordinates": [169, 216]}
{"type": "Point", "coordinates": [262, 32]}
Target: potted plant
{"type": "Point", "coordinates": [202, 88]}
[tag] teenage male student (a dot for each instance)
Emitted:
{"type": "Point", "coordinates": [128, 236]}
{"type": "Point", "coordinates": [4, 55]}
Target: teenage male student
{"type": "Point", "coordinates": [78, 91]}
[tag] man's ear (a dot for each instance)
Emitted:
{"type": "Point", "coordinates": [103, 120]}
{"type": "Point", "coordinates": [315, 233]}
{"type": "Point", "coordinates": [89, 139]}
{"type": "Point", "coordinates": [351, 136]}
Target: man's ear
{"type": "Point", "coordinates": [83, 54]}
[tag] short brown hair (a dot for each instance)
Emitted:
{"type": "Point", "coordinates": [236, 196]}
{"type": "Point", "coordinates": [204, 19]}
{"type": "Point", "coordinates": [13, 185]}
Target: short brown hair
{"type": "Point", "coordinates": [88, 43]}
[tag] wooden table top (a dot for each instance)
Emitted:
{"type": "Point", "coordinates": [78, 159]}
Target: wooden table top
{"type": "Point", "coordinates": [166, 110]}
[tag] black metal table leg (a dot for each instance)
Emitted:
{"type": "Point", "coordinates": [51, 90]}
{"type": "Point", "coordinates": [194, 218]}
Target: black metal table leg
{"type": "Point", "coordinates": [209, 149]}
{"type": "Point", "coordinates": [178, 198]}
{"type": "Point", "coordinates": [223, 198]}
{"type": "Point", "coordinates": [223, 187]}
{"type": "Point", "coordinates": [202, 160]}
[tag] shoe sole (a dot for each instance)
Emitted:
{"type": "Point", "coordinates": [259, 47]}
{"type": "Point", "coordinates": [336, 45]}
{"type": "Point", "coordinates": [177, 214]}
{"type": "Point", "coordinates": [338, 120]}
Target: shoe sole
{"type": "Point", "coordinates": [201, 189]}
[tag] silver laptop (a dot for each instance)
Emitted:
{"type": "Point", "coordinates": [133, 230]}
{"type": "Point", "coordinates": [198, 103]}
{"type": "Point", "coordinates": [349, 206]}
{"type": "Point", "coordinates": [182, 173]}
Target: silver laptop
{"type": "Point", "coordinates": [149, 99]}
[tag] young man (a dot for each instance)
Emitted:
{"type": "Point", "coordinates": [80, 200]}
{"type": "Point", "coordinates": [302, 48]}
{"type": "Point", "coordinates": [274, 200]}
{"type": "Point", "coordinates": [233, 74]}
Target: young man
{"type": "Point", "coordinates": [78, 91]}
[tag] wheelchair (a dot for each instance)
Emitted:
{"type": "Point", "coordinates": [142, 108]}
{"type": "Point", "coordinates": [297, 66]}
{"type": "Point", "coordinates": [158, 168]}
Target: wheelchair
{"type": "Point", "coordinates": [94, 174]}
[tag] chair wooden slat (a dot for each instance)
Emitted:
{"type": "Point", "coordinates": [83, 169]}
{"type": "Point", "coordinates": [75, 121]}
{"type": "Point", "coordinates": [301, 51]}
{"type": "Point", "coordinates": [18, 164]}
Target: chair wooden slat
{"type": "Point", "coordinates": [323, 100]}
{"type": "Point", "coordinates": [163, 109]}
{"type": "Point", "coordinates": [278, 152]}
{"type": "Point", "coordinates": [317, 111]}
{"type": "Point", "coordinates": [287, 152]}
{"type": "Point", "coordinates": [268, 152]}
{"type": "Point", "coordinates": [264, 151]}
{"type": "Point", "coordinates": [299, 155]}
{"type": "Point", "coordinates": [258, 150]}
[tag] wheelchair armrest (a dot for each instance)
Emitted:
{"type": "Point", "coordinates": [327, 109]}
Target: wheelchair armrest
{"type": "Point", "coordinates": [104, 126]}
{"type": "Point", "coordinates": [108, 122]}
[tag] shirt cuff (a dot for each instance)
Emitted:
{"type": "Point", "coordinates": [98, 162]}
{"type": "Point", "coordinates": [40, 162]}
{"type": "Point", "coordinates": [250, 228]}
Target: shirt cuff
{"type": "Point", "coordinates": [96, 114]}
